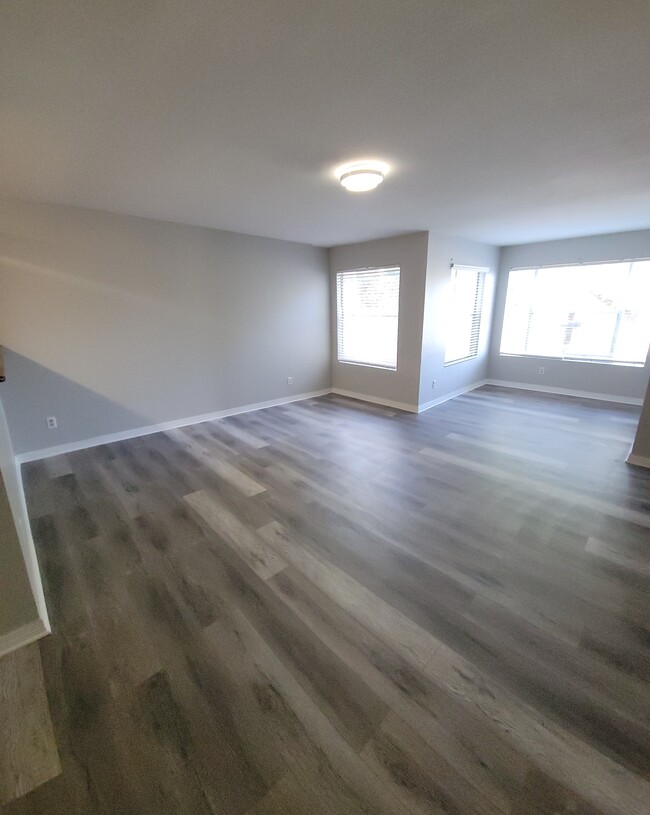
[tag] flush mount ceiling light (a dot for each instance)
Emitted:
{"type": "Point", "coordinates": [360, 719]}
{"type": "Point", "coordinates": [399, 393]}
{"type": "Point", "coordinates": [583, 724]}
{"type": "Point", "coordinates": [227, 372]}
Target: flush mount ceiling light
{"type": "Point", "coordinates": [361, 176]}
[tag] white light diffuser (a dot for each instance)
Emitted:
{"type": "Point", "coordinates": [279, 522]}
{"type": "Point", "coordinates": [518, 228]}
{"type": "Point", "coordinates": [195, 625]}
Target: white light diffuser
{"type": "Point", "coordinates": [361, 176]}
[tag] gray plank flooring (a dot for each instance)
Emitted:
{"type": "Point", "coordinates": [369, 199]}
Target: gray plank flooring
{"type": "Point", "coordinates": [331, 607]}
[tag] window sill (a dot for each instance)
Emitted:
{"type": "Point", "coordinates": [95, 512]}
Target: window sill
{"type": "Point", "coordinates": [367, 365]}
{"type": "Point", "coordinates": [456, 361]}
{"type": "Point", "coordinates": [575, 359]}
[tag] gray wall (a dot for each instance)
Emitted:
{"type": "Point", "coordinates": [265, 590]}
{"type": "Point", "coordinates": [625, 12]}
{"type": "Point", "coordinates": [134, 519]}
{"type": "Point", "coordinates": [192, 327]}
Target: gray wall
{"type": "Point", "coordinates": [114, 322]}
{"type": "Point", "coordinates": [409, 252]}
{"type": "Point", "coordinates": [613, 380]}
{"type": "Point", "coordinates": [442, 249]}
{"type": "Point", "coordinates": [17, 605]}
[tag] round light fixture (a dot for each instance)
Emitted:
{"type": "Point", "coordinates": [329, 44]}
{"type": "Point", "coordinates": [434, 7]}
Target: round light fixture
{"type": "Point", "coordinates": [361, 176]}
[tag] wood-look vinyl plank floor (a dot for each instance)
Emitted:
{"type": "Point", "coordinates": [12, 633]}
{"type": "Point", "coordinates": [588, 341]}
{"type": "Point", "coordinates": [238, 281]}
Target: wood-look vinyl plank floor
{"type": "Point", "coordinates": [29, 753]}
{"type": "Point", "coordinates": [335, 608]}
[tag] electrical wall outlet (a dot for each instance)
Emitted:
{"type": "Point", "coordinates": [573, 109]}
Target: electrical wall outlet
{"type": "Point", "coordinates": [542, 371]}
{"type": "Point", "coordinates": [51, 422]}
{"type": "Point", "coordinates": [289, 380]}
{"type": "Point", "coordinates": [433, 384]}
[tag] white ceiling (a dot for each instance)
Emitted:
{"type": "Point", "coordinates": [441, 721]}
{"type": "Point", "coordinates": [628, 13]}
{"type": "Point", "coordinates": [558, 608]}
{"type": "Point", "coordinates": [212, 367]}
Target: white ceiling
{"type": "Point", "coordinates": [505, 121]}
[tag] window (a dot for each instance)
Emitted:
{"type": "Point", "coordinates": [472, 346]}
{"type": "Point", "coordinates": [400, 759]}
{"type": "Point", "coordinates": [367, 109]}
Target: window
{"type": "Point", "coordinates": [595, 313]}
{"type": "Point", "coordinates": [367, 317]}
{"type": "Point", "coordinates": [464, 317]}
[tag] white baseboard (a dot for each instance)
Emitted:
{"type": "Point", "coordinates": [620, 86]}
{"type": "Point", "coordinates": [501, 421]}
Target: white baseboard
{"type": "Point", "coordinates": [638, 461]}
{"type": "Point", "coordinates": [24, 529]}
{"type": "Point", "coordinates": [22, 636]}
{"type": "Point", "coordinates": [83, 444]}
{"type": "Point", "coordinates": [452, 395]}
{"type": "Point", "coordinates": [603, 397]}
{"type": "Point", "coordinates": [375, 400]}
{"type": "Point", "coordinates": [61, 449]}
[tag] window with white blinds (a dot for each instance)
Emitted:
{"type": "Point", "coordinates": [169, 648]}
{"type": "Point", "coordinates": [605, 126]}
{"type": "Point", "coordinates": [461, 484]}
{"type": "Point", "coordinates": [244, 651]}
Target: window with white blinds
{"type": "Point", "coordinates": [597, 312]}
{"type": "Point", "coordinates": [368, 316]}
{"type": "Point", "coordinates": [464, 317]}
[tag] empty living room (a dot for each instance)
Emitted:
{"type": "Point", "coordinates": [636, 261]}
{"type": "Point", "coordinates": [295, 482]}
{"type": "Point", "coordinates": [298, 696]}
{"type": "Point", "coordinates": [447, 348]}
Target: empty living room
{"type": "Point", "coordinates": [324, 407]}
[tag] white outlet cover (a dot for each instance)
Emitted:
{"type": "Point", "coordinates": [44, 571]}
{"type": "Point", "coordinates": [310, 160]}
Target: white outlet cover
{"type": "Point", "coordinates": [51, 422]}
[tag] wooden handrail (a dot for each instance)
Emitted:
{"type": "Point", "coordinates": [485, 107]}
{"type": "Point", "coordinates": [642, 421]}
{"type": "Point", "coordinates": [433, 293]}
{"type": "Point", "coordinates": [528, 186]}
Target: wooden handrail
{"type": "Point", "coordinates": [2, 366]}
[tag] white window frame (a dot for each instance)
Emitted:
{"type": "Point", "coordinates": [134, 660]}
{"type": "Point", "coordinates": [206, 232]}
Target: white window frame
{"type": "Point", "coordinates": [568, 357]}
{"type": "Point", "coordinates": [476, 312]}
{"type": "Point", "coordinates": [375, 270]}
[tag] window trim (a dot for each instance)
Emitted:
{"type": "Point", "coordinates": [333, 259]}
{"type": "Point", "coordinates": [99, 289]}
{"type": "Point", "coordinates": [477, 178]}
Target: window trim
{"type": "Point", "coordinates": [587, 360]}
{"type": "Point", "coordinates": [481, 279]}
{"type": "Point", "coordinates": [369, 270]}
{"type": "Point", "coordinates": [575, 264]}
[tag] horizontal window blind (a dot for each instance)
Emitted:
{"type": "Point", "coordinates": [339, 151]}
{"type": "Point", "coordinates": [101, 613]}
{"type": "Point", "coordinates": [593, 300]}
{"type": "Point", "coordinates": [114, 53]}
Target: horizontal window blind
{"type": "Point", "coordinates": [592, 313]}
{"type": "Point", "coordinates": [368, 316]}
{"type": "Point", "coordinates": [464, 317]}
